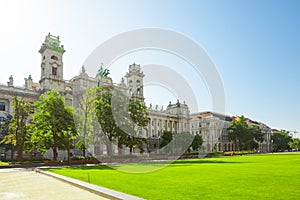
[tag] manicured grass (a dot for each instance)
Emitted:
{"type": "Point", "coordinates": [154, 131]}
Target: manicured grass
{"type": "Point", "coordinates": [272, 176]}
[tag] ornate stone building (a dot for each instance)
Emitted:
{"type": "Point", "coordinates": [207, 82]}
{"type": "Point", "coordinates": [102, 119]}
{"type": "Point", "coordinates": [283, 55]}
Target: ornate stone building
{"type": "Point", "coordinates": [213, 128]}
{"type": "Point", "coordinates": [176, 117]}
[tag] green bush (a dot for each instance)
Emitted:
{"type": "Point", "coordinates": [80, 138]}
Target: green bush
{"type": "Point", "coordinates": [83, 158]}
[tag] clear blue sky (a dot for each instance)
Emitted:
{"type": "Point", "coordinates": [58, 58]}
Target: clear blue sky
{"type": "Point", "coordinates": [254, 44]}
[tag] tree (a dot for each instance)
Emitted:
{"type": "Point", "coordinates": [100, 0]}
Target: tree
{"type": "Point", "coordinates": [179, 143]}
{"type": "Point", "coordinates": [166, 138]}
{"type": "Point", "coordinates": [244, 136]}
{"type": "Point", "coordinates": [295, 144]}
{"type": "Point", "coordinates": [281, 140]}
{"type": "Point", "coordinates": [239, 133]}
{"type": "Point", "coordinates": [139, 116]}
{"type": "Point", "coordinates": [85, 119]}
{"type": "Point", "coordinates": [197, 142]}
{"type": "Point", "coordinates": [4, 132]}
{"type": "Point", "coordinates": [53, 126]}
{"type": "Point", "coordinates": [18, 128]}
{"type": "Point", "coordinates": [257, 135]}
{"type": "Point", "coordinates": [121, 119]}
{"type": "Point", "coordinates": [106, 119]}
{"type": "Point", "coordinates": [182, 142]}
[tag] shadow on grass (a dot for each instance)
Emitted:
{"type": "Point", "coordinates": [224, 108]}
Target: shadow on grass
{"type": "Point", "coordinates": [98, 167]}
{"type": "Point", "coordinates": [176, 163]}
{"type": "Point", "coordinates": [199, 161]}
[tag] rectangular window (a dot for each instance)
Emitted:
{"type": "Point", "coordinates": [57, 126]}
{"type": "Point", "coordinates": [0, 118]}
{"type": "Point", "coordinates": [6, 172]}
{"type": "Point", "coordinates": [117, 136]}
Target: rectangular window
{"type": "Point", "coordinates": [54, 71]}
{"type": "Point", "coordinates": [2, 106]}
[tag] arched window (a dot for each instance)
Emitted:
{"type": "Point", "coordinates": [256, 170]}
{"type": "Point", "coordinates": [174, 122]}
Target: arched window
{"type": "Point", "coordinates": [138, 81]}
{"type": "Point", "coordinates": [54, 58]}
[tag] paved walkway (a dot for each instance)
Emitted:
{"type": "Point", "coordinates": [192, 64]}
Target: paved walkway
{"type": "Point", "coordinates": [26, 184]}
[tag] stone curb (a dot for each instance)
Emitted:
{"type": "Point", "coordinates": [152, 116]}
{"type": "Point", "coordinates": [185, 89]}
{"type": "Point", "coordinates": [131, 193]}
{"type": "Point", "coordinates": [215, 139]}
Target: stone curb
{"type": "Point", "coordinates": [101, 191]}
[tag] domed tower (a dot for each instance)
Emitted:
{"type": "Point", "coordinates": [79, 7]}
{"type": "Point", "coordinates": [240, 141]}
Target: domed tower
{"type": "Point", "coordinates": [52, 66]}
{"type": "Point", "coordinates": [135, 81]}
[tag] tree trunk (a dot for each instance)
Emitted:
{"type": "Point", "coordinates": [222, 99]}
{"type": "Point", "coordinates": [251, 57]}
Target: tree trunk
{"type": "Point", "coordinates": [84, 134]}
{"type": "Point", "coordinates": [109, 148]}
{"type": "Point", "coordinates": [120, 147]}
{"type": "Point", "coordinates": [12, 152]}
{"type": "Point", "coordinates": [83, 151]}
{"type": "Point", "coordinates": [55, 153]}
{"type": "Point", "coordinates": [69, 151]}
{"type": "Point", "coordinates": [20, 153]}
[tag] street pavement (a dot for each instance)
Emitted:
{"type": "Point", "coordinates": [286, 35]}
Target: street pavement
{"type": "Point", "coordinates": [25, 184]}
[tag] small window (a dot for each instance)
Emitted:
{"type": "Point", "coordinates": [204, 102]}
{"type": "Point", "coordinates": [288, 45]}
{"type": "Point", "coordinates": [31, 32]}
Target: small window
{"type": "Point", "coordinates": [54, 58]}
{"type": "Point", "coordinates": [54, 71]}
{"type": "Point", "coordinates": [2, 106]}
{"type": "Point", "coordinates": [138, 81]}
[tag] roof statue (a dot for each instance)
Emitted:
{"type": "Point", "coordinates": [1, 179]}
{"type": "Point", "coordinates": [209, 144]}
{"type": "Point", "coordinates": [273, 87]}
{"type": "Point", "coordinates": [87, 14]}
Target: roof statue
{"type": "Point", "coordinates": [83, 69]}
{"type": "Point", "coordinates": [103, 72]}
{"type": "Point", "coordinates": [11, 81]}
{"type": "Point", "coordinates": [29, 77]}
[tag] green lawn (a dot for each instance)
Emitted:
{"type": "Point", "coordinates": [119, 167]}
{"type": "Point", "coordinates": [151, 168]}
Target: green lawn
{"type": "Point", "coordinates": [273, 176]}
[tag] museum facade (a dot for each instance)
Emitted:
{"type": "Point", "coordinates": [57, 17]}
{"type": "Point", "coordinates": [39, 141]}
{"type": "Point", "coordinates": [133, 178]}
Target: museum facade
{"type": "Point", "coordinates": [175, 118]}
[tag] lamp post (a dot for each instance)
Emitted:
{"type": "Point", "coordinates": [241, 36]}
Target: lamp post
{"type": "Point", "coordinates": [272, 146]}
